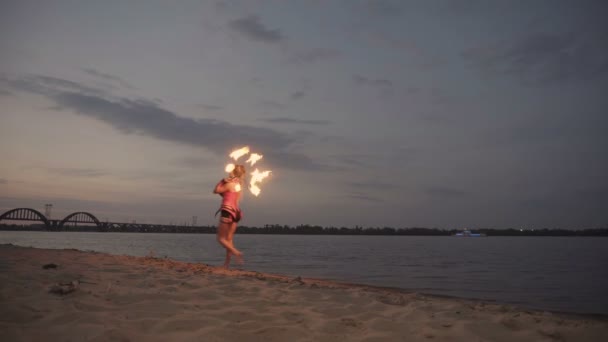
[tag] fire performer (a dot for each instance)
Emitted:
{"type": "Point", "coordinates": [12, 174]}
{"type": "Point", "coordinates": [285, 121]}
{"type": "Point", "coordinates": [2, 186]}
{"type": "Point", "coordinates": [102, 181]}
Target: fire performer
{"type": "Point", "coordinates": [230, 213]}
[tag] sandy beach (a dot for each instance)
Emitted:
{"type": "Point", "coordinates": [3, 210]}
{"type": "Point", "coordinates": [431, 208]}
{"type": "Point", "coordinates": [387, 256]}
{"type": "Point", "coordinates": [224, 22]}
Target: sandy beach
{"type": "Point", "coordinates": [88, 296]}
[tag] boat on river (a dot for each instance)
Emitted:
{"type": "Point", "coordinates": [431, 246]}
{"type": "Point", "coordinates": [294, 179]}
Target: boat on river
{"type": "Point", "coordinates": [468, 233]}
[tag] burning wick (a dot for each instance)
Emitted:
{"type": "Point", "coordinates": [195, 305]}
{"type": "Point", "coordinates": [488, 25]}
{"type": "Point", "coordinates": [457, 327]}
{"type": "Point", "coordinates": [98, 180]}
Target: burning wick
{"type": "Point", "coordinates": [257, 177]}
{"type": "Point", "coordinates": [236, 154]}
{"type": "Point", "coordinates": [253, 158]}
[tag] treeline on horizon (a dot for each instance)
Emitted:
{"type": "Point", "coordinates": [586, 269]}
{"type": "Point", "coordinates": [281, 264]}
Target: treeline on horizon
{"type": "Point", "coordinates": [316, 230]}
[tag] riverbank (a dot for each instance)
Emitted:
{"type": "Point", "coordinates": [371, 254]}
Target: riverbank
{"type": "Point", "coordinates": [307, 230]}
{"type": "Point", "coordinates": [124, 298]}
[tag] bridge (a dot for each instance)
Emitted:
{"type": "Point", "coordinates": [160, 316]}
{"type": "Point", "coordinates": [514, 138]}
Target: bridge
{"type": "Point", "coordinates": [81, 217]}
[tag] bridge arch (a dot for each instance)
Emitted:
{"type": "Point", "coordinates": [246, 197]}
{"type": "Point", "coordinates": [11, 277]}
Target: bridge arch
{"type": "Point", "coordinates": [80, 217]}
{"type": "Point", "coordinates": [24, 214]}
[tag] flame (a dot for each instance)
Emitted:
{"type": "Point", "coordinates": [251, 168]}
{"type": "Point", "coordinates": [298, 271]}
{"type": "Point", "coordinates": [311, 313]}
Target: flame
{"type": "Point", "coordinates": [236, 154]}
{"type": "Point", "coordinates": [253, 158]}
{"type": "Point", "coordinates": [257, 176]}
{"type": "Point", "coordinates": [229, 167]}
{"type": "Point", "coordinates": [237, 187]}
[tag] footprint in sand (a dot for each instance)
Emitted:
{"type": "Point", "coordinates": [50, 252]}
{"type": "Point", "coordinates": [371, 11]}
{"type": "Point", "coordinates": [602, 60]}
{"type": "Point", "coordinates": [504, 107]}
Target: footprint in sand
{"type": "Point", "coordinates": [349, 322]}
{"type": "Point", "coordinates": [187, 325]}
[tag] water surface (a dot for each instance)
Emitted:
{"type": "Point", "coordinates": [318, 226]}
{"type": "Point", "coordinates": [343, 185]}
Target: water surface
{"type": "Point", "coordinates": [551, 273]}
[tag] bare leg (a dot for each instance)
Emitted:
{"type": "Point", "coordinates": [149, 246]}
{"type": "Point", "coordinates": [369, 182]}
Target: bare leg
{"type": "Point", "coordinates": [223, 237]}
{"type": "Point", "coordinates": [223, 230]}
{"type": "Point", "coordinates": [227, 260]}
{"type": "Point", "coordinates": [239, 257]}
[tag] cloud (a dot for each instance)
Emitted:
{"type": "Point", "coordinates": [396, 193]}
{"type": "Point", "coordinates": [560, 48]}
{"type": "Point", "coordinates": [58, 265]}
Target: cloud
{"type": "Point", "coordinates": [5, 93]}
{"type": "Point", "coordinates": [441, 96]}
{"type": "Point", "coordinates": [420, 57]}
{"type": "Point", "coordinates": [3, 181]}
{"type": "Point", "coordinates": [47, 85]}
{"type": "Point", "coordinates": [296, 121]}
{"type": "Point", "coordinates": [297, 95]}
{"type": "Point", "coordinates": [210, 107]}
{"type": "Point", "coordinates": [445, 192]}
{"type": "Point", "coordinates": [251, 27]}
{"type": "Point", "coordinates": [256, 81]}
{"type": "Point", "coordinates": [463, 6]}
{"type": "Point", "coordinates": [195, 163]}
{"type": "Point", "coordinates": [385, 87]}
{"type": "Point", "coordinates": [384, 7]}
{"type": "Point", "coordinates": [597, 194]}
{"type": "Point", "coordinates": [356, 160]}
{"type": "Point", "coordinates": [372, 185]}
{"type": "Point", "coordinates": [412, 90]}
{"type": "Point", "coordinates": [584, 128]}
{"type": "Point", "coordinates": [588, 204]}
{"type": "Point", "coordinates": [361, 80]}
{"type": "Point", "coordinates": [373, 156]}
{"type": "Point", "coordinates": [108, 77]}
{"type": "Point", "coordinates": [364, 197]}
{"type": "Point", "coordinates": [72, 172]}
{"type": "Point", "coordinates": [314, 55]}
{"type": "Point", "coordinates": [148, 118]}
{"type": "Point", "coordinates": [544, 58]}
{"type": "Point", "coordinates": [297, 161]}
{"type": "Point", "coordinates": [269, 104]}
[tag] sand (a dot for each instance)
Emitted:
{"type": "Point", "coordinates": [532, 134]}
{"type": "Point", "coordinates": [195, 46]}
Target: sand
{"type": "Point", "coordinates": [125, 298]}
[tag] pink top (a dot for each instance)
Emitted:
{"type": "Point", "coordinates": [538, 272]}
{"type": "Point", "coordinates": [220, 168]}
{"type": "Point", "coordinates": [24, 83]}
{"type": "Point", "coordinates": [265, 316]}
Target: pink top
{"type": "Point", "coordinates": [231, 198]}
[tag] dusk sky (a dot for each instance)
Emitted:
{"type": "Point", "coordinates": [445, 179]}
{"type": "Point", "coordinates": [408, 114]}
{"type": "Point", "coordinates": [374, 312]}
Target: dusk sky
{"type": "Point", "coordinates": [448, 114]}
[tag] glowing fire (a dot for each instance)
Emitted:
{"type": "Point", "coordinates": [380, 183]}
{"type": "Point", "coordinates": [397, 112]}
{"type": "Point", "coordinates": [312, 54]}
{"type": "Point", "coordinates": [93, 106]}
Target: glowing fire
{"type": "Point", "coordinates": [257, 176]}
{"type": "Point", "coordinates": [253, 158]}
{"type": "Point", "coordinates": [236, 154]}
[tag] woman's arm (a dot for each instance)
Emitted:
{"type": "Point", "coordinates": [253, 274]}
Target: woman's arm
{"type": "Point", "coordinates": [220, 187]}
{"type": "Point", "coordinates": [226, 185]}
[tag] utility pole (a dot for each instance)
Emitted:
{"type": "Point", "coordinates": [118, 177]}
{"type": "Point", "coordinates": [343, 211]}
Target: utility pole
{"type": "Point", "coordinates": [194, 218]}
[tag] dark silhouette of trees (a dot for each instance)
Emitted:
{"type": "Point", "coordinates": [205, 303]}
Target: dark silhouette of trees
{"type": "Point", "coordinates": [306, 229]}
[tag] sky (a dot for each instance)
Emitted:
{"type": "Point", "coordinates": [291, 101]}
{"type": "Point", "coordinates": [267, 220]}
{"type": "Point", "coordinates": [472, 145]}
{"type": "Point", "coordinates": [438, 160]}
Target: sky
{"type": "Point", "coordinates": [446, 114]}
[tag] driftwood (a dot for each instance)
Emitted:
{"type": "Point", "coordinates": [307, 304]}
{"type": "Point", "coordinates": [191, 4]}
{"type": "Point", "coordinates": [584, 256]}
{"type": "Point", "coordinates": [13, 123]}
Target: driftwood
{"type": "Point", "coordinates": [64, 288]}
{"type": "Point", "coordinates": [297, 280]}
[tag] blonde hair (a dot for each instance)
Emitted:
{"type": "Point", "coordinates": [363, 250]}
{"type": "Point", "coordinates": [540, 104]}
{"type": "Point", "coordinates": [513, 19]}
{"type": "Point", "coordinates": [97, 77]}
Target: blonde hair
{"type": "Point", "coordinates": [239, 172]}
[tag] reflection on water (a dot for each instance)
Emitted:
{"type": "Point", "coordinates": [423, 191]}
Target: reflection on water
{"type": "Point", "coordinates": [553, 273]}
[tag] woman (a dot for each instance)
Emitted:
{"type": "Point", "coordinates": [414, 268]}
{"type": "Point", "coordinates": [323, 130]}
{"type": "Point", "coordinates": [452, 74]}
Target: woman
{"type": "Point", "coordinates": [230, 213]}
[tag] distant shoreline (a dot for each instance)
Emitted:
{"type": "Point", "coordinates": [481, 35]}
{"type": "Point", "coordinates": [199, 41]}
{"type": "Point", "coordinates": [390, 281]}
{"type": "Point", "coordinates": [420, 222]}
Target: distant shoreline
{"type": "Point", "coordinates": [317, 230]}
